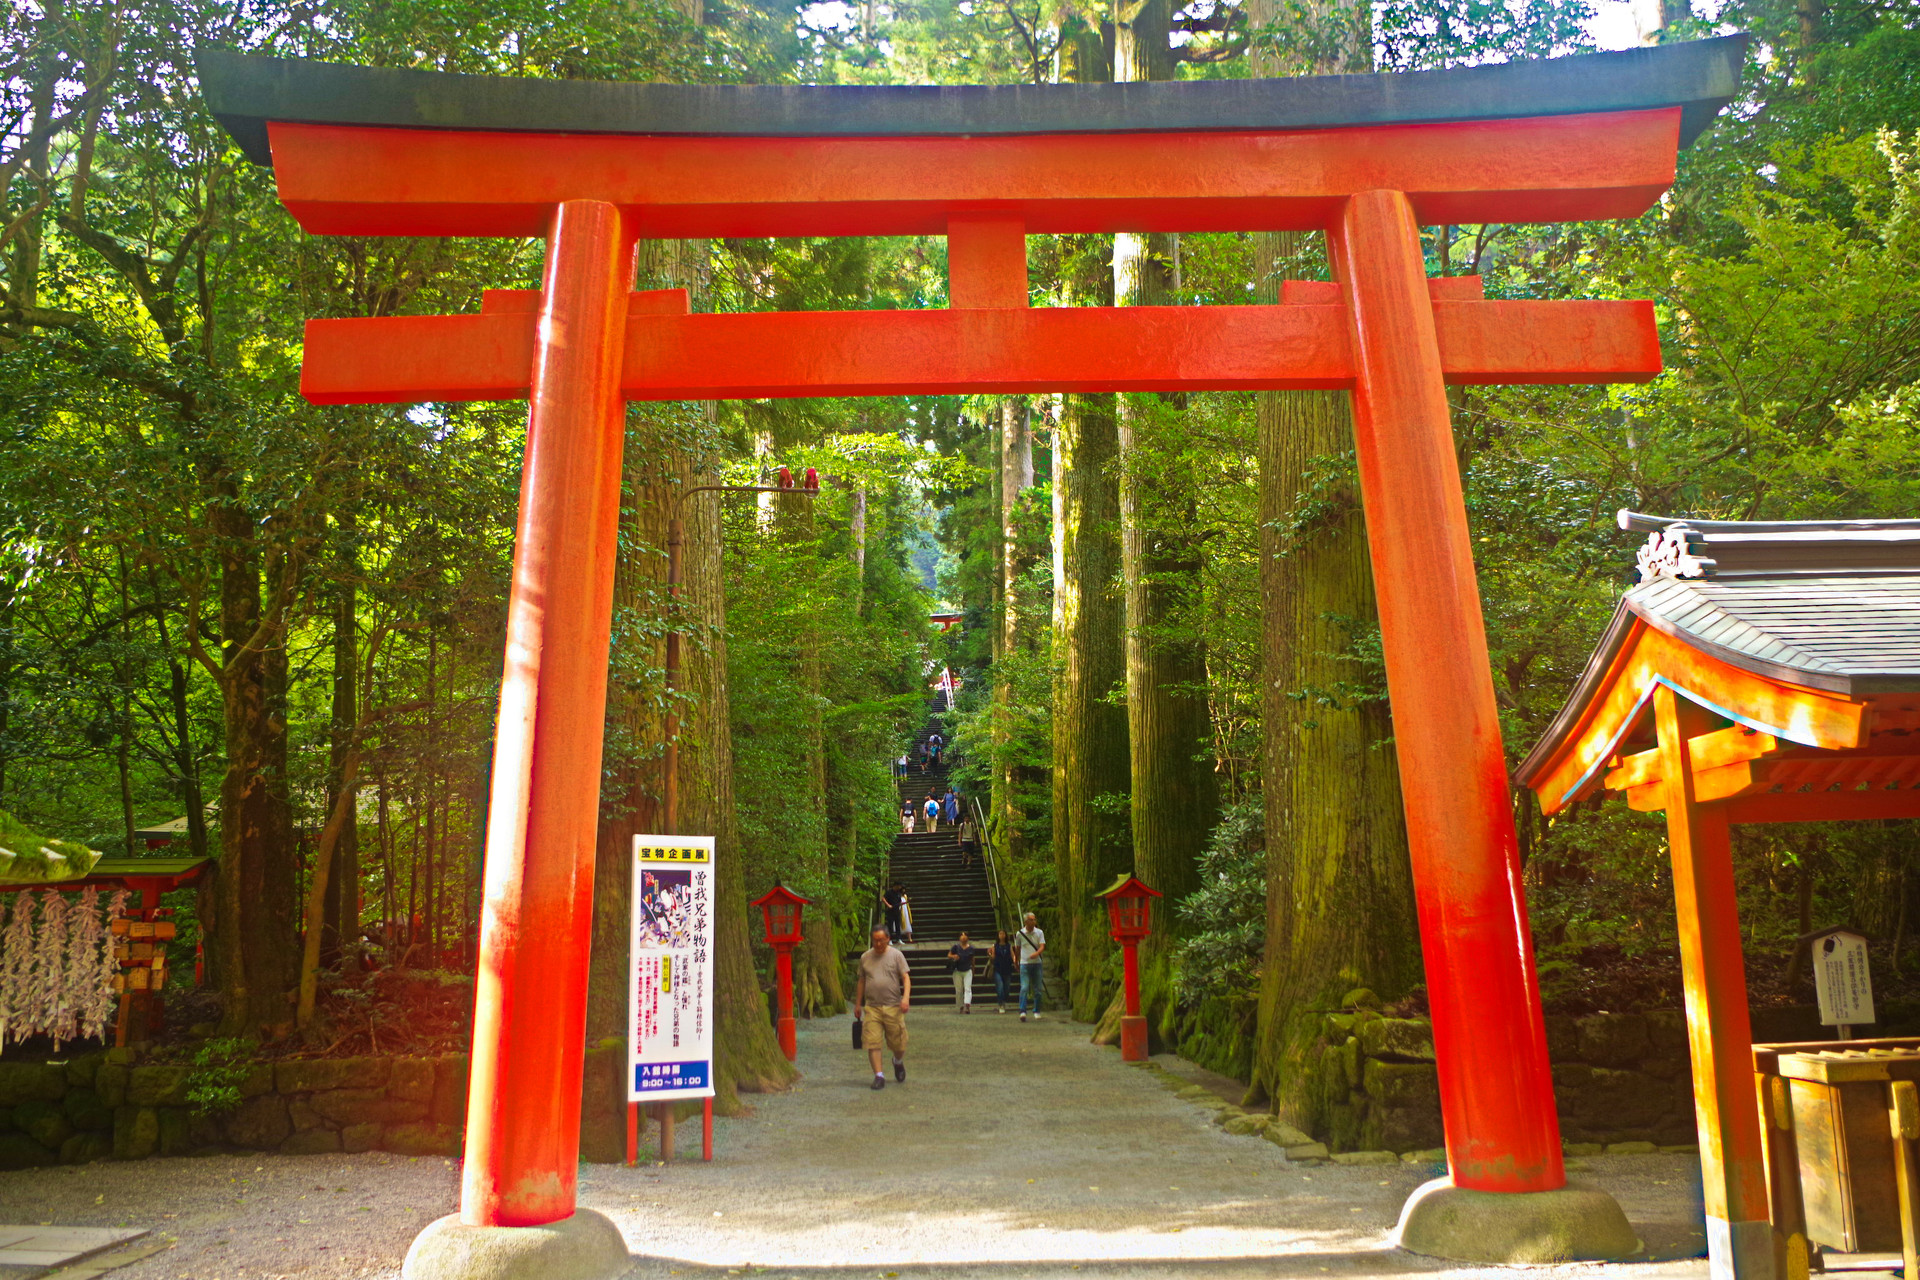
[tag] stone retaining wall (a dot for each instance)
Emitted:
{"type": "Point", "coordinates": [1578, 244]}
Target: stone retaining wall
{"type": "Point", "coordinates": [1620, 1079]}
{"type": "Point", "coordinates": [108, 1103]}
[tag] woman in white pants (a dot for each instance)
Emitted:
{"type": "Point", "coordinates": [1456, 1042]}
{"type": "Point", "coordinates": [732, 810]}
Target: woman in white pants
{"type": "Point", "coordinates": [960, 956]}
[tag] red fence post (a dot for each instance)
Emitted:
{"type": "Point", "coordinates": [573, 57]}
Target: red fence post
{"type": "Point", "coordinates": [530, 998]}
{"type": "Point", "coordinates": [1496, 1093]}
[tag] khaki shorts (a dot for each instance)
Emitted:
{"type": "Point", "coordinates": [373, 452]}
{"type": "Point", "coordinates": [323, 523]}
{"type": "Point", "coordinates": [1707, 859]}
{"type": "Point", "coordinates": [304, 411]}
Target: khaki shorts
{"type": "Point", "coordinates": [887, 1021]}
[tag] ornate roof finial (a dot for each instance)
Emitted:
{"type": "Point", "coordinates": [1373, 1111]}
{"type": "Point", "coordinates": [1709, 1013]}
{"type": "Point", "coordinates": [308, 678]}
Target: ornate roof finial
{"type": "Point", "coordinates": [1668, 553]}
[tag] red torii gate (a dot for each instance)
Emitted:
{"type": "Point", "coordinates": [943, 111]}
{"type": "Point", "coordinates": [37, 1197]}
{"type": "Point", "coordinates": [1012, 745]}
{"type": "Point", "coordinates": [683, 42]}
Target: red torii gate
{"type": "Point", "coordinates": [592, 168]}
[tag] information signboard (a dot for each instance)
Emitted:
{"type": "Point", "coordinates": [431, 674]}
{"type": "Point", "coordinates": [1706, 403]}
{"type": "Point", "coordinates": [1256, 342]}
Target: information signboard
{"type": "Point", "coordinates": [1841, 978]}
{"type": "Point", "coordinates": [670, 987]}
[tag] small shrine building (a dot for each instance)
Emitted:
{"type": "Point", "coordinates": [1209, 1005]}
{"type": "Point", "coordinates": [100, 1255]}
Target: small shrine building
{"type": "Point", "coordinates": [1758, 672]}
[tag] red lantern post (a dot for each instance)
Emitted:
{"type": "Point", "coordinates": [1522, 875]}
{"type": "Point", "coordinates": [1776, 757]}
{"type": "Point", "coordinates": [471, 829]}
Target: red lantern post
{"type": "Point", "coordinates": [1130, 911]}
{"type": "Point", "coordinates": [780, 910]}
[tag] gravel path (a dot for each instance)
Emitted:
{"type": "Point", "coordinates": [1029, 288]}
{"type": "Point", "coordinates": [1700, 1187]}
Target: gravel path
{"type": "Point", "coordinates": [1013, 1150]}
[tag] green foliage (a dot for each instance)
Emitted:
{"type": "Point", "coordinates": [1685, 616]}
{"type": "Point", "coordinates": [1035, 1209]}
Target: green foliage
{"type": "Point", "coordinates": [1226, 917]}
{"type": "Point", "coordinates": [220, 1068]}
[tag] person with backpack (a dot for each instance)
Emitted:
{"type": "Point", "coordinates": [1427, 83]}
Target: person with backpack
{"type": "Point", "coordinates": [906, 817]}
{"type": "Point", "coordinates": [1032, 942]}
{"type": "Point", "coordinates": [960, 959]}
{"type": "Point", "coordinates": [969, 844]}
{"type": "Point", "coordinates": [932, 810]}
{"type": "Point", "coordinates": [1001, 963]}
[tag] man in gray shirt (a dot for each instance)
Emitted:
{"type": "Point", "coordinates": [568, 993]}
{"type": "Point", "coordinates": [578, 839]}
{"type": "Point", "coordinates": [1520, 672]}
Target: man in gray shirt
{"type": "Point", "coordinates": [880, 998]}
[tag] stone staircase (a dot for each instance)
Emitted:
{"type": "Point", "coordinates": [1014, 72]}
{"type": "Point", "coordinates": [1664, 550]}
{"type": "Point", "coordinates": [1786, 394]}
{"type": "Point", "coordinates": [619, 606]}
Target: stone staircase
{"type": "Point", "coordinates": [945, 897]}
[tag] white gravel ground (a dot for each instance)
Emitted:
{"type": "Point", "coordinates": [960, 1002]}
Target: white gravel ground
{"type": "Point", "coordinates": [1013, 1150]}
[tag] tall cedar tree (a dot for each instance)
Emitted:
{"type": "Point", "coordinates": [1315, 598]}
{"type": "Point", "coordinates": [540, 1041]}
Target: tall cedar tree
{"type": "Point", "coordinates": [1174, 797]}
{"type": "Point", "coordinates": [1015, 634]}
{"type": "Point", "coordinates": [1090, 843]}
{"type": "Point", "coordinates": [1340, 909]}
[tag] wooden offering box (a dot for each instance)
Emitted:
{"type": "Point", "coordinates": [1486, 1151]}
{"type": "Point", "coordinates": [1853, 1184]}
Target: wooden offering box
{"type": "Point", "coordinates": [1841, 1118]}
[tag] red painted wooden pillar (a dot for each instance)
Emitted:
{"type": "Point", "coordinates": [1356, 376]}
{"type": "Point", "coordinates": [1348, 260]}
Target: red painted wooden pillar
{"type": "Point", "coordinates": [1719, 1027]}
{"type": "Point", "coordinates": [530, 997]}
{"type": "Point", "coordinates": [1496, 1093]}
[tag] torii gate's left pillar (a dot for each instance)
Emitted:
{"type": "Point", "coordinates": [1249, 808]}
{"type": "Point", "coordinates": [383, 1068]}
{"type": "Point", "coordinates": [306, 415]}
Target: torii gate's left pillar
{"type": "Point", "coordinates": [530, 1014]}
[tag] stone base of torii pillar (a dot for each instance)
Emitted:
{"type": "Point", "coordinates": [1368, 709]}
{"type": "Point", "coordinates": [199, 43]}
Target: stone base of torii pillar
{"type": "Point", "coordinates": [586, 1246]}
{"type": "Point", "coordinates": [1573, 1224]}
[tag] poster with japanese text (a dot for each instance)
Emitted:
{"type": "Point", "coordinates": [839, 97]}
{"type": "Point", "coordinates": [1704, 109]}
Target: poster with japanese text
{"type": "Point", "coordinates": [670, 994]}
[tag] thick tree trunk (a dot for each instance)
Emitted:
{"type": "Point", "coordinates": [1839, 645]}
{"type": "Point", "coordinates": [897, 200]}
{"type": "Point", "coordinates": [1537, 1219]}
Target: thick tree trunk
{"type": "Point", "coordinates": [343, 884]}
{"type": "Point", "coordinates": [186, 760]}
{"type": "Point", "coordinates": [1340, 908]}
{"type": "Point", "coordinates": [857, 541]}
{"type": "Point", "coordinates": [816, 967]}
{"type": "Point", "coordinates": [747, 1056]}
{"type": "Point", "coordinates": [1090, 843]}
{"type": "Point", "coordinates": [631, 782]}
{"type": "Point", "coordinates": [1174, 796]}
{"type": "Point", "coordinates": [1090, 757]}
{"type": "Point", "coordinates": [1014, 637]}
{"type": "Point", "coordinates": [252, 935]}
{"type": "Point", "coordinates": [1090, 767]}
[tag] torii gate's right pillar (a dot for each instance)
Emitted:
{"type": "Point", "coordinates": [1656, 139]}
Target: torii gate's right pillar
{"type": "Point", "coordinates": [1496, 1090]}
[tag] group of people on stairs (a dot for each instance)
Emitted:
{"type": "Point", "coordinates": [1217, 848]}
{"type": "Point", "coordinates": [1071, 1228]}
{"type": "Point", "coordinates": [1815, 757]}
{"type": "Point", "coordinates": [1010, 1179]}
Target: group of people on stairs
{"type": "Point", "coordinates": [884, 990]}
{"type": "Point", "coordinates": [935, 809]}
{"type": "Point", "coordinates": [927, 754]}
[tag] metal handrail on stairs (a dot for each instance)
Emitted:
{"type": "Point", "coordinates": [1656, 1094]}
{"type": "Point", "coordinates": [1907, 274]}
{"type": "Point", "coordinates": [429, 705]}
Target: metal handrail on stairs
{"type": "Point", "coordinates": [1000, 916]}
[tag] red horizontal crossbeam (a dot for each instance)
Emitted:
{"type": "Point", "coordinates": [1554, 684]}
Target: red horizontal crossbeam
{"type": "Point", "coordinates": [353, 180]}
{"type": "Point", "coordinates": [410, 359]}
{"type": "Point", "coordinates": [1825, 806]}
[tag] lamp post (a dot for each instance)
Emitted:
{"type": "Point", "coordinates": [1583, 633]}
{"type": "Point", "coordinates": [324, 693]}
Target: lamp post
{"type": "Point", "coordinates": [780, 909]}
{"type": "Point", "coordinates": [676, 535]}
{"type": "Point", "coordinates": [1130, 912]}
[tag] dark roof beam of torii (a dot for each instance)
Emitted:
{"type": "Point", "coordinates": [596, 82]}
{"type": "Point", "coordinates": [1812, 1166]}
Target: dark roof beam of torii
{"type": "Point", "coordinates": [393, 152]}
{"type": "Point", "coordinates": [245, 92]}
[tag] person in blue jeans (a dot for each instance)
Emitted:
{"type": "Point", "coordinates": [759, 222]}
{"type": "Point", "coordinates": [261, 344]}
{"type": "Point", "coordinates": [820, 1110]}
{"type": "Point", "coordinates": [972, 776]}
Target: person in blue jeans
{"type": "Point", "coordinates": [1032, 942]}
{"type": "Point", "coordinates": [1001, 964]}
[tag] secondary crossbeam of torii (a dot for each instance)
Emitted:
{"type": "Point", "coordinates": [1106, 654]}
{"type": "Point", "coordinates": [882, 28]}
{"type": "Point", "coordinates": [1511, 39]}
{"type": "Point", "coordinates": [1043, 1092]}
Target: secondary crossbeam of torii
{"type": "Point", "coordinates": [592, 168]}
